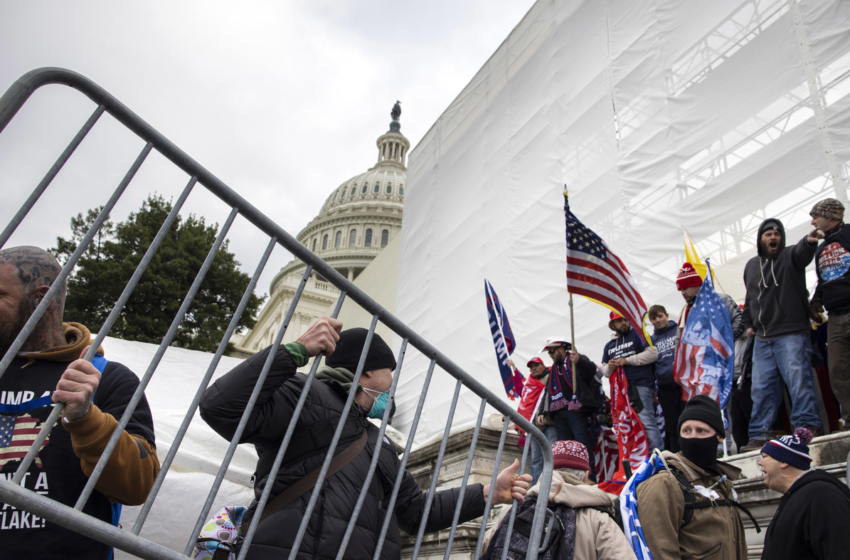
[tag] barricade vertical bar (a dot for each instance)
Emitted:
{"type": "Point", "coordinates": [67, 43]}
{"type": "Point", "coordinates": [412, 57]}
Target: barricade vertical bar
{"type": "Point", "coordinates": [528, 443]}
{"type": "Point", "coordinates": [187, 419]}
{"type": "Point", "coordinates": [462, 492]}
{"type": "Point", "coordinates": [137, 275]}
{"type": "Point", "coordinates": [66, 271]}
{"type": "Point", "coordinates": [492, 486]}
{"type": "Point", "coordinates": [545, 481]}
{"type": "Point", "coordinates": [375, 456]}
{"type": "Point", "coordinates": [287, 437]}
{"type": "Point", "coordinates": [317, 488]}
{"type": "Point", "coordinates": [237, 435]}
{"type": "Point", "coordinates": [403, 464]}
{"type": "Point", "coordinates": [143, 382]}
{"type": "Point", "coordinates": [48, 178]}
{"type": "Point", "coordinates": [436, 476]}
{"type": "Point", "coordinates": [48, 297]}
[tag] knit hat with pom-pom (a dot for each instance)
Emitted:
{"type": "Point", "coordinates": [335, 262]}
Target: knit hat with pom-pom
{"type": "Point", "coordinates": [570, 455]}
{"type": "Point", "coordinates": [793, 450]}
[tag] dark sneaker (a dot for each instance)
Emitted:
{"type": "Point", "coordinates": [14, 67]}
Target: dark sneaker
{"type": "Point", "coordinates": [754, 445]}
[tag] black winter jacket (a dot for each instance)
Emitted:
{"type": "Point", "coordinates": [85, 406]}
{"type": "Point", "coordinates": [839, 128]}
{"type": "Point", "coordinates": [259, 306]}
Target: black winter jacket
{"type": "Point", "coordinates": [222, 406]}
{"type": "Point", "coordinates": [833, 264]}
{"type": "Point", "coordinates": [777, 300]}
{"type": "Point", "coordinates": [811, 521]}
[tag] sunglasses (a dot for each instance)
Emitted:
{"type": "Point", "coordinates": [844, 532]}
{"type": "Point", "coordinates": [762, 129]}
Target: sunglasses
{"type": "Point", "coordinates": [551, 351]}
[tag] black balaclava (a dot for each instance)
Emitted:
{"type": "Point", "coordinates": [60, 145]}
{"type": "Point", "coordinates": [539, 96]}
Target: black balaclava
{"type": "Point", "coordinates": [702, 451]}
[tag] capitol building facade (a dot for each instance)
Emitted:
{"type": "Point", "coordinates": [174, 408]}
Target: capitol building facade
{"type": "Point", "coordinates": [356, 223]}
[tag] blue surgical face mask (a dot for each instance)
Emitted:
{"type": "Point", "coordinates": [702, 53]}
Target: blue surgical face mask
{"type": "Point", "coordinates": [380, 404]}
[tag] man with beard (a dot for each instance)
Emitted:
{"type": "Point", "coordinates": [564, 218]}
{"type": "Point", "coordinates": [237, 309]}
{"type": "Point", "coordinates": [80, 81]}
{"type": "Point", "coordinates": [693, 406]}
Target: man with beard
{"type": "Point", "coordinates": [711, 527]}
{"type": "Point", "coordinates": [48, 368]}
{"type": "Point", "coordinates": [570, 408]}
{"type": "Point", "coordinates": [776, 312]}
{"type": "Point", "coordinates": [626, 350]}
{"type": "Point", "coordinates": [813, 514]}
{"type": "Point", "coordinates": [832, 263]}
{"type": "Point", "coordinates": [533, 393]}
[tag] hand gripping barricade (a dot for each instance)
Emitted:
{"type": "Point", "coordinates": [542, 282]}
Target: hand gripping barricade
{"type": "Point", "coordinates": [11, 491]}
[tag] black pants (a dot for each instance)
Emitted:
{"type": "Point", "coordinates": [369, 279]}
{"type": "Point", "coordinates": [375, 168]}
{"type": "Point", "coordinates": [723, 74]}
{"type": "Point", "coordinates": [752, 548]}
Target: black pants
{"type": "Point", "coordinates": [742, 409]}
{"type": "Point", "coordinates": [670, 397]}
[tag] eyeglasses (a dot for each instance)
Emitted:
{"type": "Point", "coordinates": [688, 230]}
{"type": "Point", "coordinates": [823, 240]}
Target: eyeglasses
{"type": "Point", "coordinates": [551, 351]}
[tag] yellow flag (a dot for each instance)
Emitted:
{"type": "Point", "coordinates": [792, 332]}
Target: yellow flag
{"type": "Point", "coordinates": [692, 257]}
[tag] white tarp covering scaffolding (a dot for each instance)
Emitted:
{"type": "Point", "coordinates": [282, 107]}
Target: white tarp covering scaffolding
{"type": "Point", "coordinates": [658, 114]}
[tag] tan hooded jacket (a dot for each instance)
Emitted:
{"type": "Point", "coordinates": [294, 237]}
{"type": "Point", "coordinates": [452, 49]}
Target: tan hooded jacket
{"type": "Point", "coordinates": [597, 535]}
{"type": "Point", "coordinates": [716, 532]}
{"type": "Point", "coordinates": [127, 477]}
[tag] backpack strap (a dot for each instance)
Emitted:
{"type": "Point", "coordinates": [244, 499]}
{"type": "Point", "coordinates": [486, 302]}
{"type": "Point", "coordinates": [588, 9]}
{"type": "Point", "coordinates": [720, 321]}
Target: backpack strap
{"type": "Point", "coordinates": [691, 503]}
{"type": "Point", "coordinates": [308, 481]}
{"type": "Point", "coordinates": [729, 503]}
{"type": "Point", "coordinates": [687, 493]}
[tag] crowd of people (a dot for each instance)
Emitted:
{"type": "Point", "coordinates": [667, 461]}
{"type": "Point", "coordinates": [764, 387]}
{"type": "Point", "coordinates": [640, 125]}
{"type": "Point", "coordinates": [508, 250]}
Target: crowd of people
{"type": "Point", "coordinates": [775, 333]}
{"type": "Point", "coordinates": [691, 504]}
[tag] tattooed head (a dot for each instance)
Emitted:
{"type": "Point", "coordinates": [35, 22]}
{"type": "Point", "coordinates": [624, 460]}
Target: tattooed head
{"type": "Point", "coordinates": [26, 273]}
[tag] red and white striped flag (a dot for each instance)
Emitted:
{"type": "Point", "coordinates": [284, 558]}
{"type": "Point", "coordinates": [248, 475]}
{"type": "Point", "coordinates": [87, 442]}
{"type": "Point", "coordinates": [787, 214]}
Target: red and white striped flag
{"type": "Point", "coordinates": [606, 454]}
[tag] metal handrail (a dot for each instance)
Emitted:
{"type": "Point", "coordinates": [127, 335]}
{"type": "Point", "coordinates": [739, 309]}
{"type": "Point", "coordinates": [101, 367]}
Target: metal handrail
{"type": "Point", "coordinates": [14, 98]}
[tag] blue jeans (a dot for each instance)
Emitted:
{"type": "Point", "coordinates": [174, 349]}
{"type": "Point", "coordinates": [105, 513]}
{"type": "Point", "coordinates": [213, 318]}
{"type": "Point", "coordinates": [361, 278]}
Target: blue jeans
{"type": "Point", "coordinates": [537, 453]}
{"type": "Point", "coordinates": [786, 358]}
{"type": "Point", "coordinates": [647, 418]}
{"type": "Point", "coordinates": [573, 425]}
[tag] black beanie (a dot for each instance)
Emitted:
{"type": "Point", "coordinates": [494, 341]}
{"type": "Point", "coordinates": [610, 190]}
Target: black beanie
{"type": "Point", "coordinates": [350, 346]}
{"type": "Point", "coordinates": [704, 409]}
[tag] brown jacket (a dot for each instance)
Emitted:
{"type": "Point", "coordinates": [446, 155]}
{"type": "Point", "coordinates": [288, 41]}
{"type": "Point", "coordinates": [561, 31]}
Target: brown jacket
{"type": "Point", "coordinates": [597, 535]}
{"type": "Point", "coordinates": [716, 532]}
{"type": "Point", "coordinates": [127, 477]}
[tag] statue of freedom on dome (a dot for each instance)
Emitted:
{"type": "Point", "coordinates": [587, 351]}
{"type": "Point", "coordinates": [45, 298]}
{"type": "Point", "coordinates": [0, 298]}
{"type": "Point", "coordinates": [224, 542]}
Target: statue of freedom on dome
{"type": "Point", "coordinates": [396, 112]}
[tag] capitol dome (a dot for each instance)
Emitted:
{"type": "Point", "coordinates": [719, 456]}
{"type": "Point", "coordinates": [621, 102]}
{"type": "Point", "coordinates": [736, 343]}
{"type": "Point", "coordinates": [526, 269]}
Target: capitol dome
{"type": "Point", "coordinates": [358, 219]}
{"type": "Point", "coordinates": [361, 216]}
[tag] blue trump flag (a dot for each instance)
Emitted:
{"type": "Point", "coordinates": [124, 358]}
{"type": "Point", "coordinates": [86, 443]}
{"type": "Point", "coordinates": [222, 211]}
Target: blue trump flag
{"type": "Point", "coordinates": [503, 341]}
{"type": "Point", "coordinates": [705, 357]}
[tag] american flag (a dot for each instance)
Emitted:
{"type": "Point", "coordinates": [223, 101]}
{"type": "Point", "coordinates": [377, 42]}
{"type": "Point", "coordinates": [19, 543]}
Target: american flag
{"type": "Point", "coordinates": [595, 272]}
{"type": "Point", "coordinates": [17, 434]}
{"type": "Point", "coordinates": [705, 356]}
{"type": "Point", "coordinates": [606, 454]}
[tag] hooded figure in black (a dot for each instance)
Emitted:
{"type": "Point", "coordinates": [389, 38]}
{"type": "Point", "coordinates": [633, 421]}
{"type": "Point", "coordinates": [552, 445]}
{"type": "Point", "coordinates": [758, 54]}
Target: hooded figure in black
{"type": "Point", "coordinates": [225, 401]}
{"type": "Point", "coordinates": [776, 312]}
{"type": "Point", "coordinates": [777, 301]}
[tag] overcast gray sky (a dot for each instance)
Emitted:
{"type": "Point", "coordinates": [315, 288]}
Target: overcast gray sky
{"type": "Point", "coordinates": [281, 100]}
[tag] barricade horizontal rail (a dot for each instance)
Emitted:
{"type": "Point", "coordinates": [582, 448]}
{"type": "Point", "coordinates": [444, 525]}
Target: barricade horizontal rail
{"type": "Point", "coordinates": [11, 492]}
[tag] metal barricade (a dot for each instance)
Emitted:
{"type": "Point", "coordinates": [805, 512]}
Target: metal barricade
{"type": "Point", "coordinates": [11, 492]}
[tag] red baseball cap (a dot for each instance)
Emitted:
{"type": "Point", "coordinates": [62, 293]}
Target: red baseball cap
{"type": "Point", "coordinates": [534, 361]}
{"type": "Point", "coordinates": [613, 316]}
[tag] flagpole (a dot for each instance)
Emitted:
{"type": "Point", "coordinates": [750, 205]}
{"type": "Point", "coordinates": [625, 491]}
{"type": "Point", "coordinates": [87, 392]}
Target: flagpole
{"type": "Point", "coordinates": [572, 341]}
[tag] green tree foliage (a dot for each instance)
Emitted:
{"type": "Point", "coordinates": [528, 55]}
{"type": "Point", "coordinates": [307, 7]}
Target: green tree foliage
{"type": "Point", "coordinates": [108, 264]}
